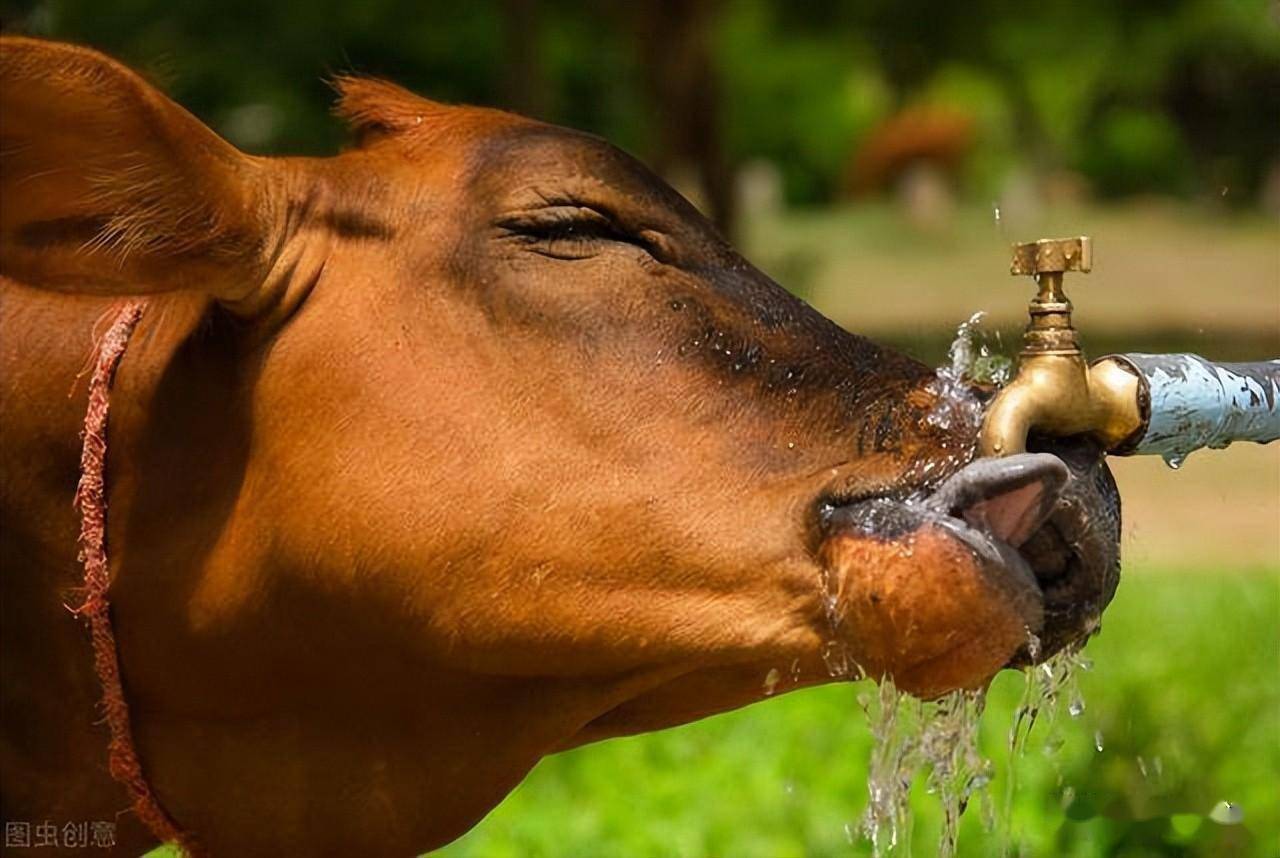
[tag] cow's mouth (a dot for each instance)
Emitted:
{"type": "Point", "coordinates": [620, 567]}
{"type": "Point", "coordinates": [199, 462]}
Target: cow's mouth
{"type": "Point", "coordinates": [1008, 562]}
{"type": "Point", "coordinates": [1075, 554]}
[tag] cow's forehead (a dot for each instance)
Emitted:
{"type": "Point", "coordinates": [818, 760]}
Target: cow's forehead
{"type": "Point", "coordinates": [521, 141]}
{"type": "Point", "coordinates": [535, 151]}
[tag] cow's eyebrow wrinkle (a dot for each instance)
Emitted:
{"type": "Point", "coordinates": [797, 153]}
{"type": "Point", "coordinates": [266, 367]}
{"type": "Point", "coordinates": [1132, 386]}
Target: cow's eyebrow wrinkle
{"type": "Point", "coordinates": [347, 223]}
{"type": "Point", "coordinates": [62, 230]}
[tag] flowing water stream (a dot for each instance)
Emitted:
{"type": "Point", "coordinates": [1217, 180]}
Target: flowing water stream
{"type": "Point", "coordinates": [937, 741]}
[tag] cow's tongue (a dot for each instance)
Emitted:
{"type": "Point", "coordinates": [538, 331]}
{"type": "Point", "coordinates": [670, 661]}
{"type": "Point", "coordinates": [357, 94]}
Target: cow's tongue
{"type": "Point", "coordinates": [1009, 498]}
{"type": "Point", "coordinates": [995, 505]}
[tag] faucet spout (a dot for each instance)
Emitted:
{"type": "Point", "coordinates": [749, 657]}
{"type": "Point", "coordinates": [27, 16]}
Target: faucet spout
{"type": "Point", "coordinates": [1060, 395]}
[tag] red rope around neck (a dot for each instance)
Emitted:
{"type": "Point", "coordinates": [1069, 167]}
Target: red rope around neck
{"type": "Point", "coordinates": [91, 502]}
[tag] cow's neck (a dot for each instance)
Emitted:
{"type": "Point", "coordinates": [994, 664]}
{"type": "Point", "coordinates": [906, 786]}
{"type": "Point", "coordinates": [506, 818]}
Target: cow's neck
{"type": "Point", "coordinates": [402, 752]}
{"type": "Point", "coordinates": [54, 752]}
{"type": "Point", "coordinates": [90, 500]}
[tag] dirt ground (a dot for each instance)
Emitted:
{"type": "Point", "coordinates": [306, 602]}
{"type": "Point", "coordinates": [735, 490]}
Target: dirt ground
{"type": "Point", "coordinates": [1156, 267]}
{"type": "Point", "coordinates": [1219, 512]}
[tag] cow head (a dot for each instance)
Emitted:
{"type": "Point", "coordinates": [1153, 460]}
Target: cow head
{"type": "Point", "coordinates": [484, 400]}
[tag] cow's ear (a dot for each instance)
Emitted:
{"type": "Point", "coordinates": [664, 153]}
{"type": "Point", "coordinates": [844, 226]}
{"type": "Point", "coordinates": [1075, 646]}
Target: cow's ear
{"type": "Point", "coordinates": [107, 186]}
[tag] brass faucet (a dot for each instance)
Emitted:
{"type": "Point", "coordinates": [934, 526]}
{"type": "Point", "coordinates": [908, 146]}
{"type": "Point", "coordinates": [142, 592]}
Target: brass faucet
{"type": "Point", "coordinates": [1056, 393]}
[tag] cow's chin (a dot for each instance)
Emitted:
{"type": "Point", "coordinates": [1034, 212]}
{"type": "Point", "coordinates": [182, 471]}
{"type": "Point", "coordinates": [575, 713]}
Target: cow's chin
{"type": "Point", "coordinates": [1007, 563]}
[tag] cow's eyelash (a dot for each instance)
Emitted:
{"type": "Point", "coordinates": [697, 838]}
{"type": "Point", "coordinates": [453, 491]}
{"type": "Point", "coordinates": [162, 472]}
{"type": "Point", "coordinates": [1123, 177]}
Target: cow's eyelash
{"type": "Point", "coordinates": [568, 223]}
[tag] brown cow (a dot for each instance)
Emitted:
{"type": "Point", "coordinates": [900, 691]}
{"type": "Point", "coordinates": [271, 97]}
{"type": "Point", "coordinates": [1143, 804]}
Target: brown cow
{"type": "Point", "coordinates": [469, 444]}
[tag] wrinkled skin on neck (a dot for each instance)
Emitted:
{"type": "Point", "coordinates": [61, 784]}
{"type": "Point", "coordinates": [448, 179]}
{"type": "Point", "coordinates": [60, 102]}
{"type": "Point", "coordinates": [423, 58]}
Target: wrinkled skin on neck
{"type": "Point", "coordinates": [478, 444]}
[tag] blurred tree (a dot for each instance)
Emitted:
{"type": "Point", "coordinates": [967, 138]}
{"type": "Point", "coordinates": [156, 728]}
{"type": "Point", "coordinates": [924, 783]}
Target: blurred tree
{"type": "Point", "coordinates": [681, 80]}
{"type": "Point", "coordinates": [526, 87]}
{"type": "Point", "coordinates": [1164, 96]}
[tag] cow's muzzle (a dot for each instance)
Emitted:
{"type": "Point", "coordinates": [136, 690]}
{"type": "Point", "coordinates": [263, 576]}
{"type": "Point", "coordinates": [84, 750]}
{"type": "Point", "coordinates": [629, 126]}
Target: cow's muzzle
{"type": "Point", "coordinates": [1009, 561]}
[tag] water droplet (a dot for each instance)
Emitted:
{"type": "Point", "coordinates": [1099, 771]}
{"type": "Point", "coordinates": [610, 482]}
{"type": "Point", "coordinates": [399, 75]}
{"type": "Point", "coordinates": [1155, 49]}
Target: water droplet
{"type": "Point", "coordinates": [771, 681]}
{"type": "Point", "coordinates": [1068, 796]}
{"type": "Point", "coordinates": [1097, 740]}
{"type": "Point", "coordinates": [1076, 707]}
{"type": "Point", "coordinates": [1174, 460]}
{"type": "Point", "coordinates": [996, 209]}
{"type": "Point", "coordinates": [791, 445]}
{"type": "Point", "coordinates": [1227, 813]}
{"type": "Point", "coordinates": [1033, 645]}
{"type": "Point", "coordinates": [835, 657]}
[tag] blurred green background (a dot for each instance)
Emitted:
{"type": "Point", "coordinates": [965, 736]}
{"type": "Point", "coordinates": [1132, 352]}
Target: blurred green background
{"type": "Point", "coordinates": [878, 157]}
{"type": "Point", "coordinates": [1172, 97]}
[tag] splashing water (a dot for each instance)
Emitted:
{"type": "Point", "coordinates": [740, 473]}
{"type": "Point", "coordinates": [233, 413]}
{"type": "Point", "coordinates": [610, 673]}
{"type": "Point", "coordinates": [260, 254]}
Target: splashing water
{"type": "Point", "coordinates": [910, 737]}
{"type": "Point", "coordinates": [975, 354]}
{"type": "Point", "coordinates": [973, 357]}
{"type": "Point", "coordinates": [889, 776]}
{"type": "Point", "coordinates": [1058, 677]}
{"type": "Point", "coordinates": [938, 740]}
{"type": "Point", "coordinates": [1045, 687]}
{"type": "Point", "coordinates": [958, 770]}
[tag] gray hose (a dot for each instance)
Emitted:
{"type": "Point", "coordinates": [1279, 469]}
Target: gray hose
{"type": "Point", "coordinates": [1198, 403]}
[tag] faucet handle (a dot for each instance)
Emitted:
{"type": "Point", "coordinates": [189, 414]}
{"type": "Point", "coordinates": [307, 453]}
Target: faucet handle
{"type": "Point", "coordinates": [1049, 331]}
{"type": "Point", "coordinates": [1053, 255]}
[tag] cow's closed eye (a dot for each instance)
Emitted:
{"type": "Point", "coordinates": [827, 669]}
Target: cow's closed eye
{"type": "Point", "coordinates": [569, 231]}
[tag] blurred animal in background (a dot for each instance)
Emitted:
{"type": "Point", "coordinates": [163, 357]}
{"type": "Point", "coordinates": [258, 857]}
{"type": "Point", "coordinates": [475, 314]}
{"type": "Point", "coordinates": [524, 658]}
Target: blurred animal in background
{"type": "Point", "coordinates": [917, 155]}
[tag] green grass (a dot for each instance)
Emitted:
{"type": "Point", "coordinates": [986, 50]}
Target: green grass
{"type": "Point", "coordinates": [1186, 673]}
